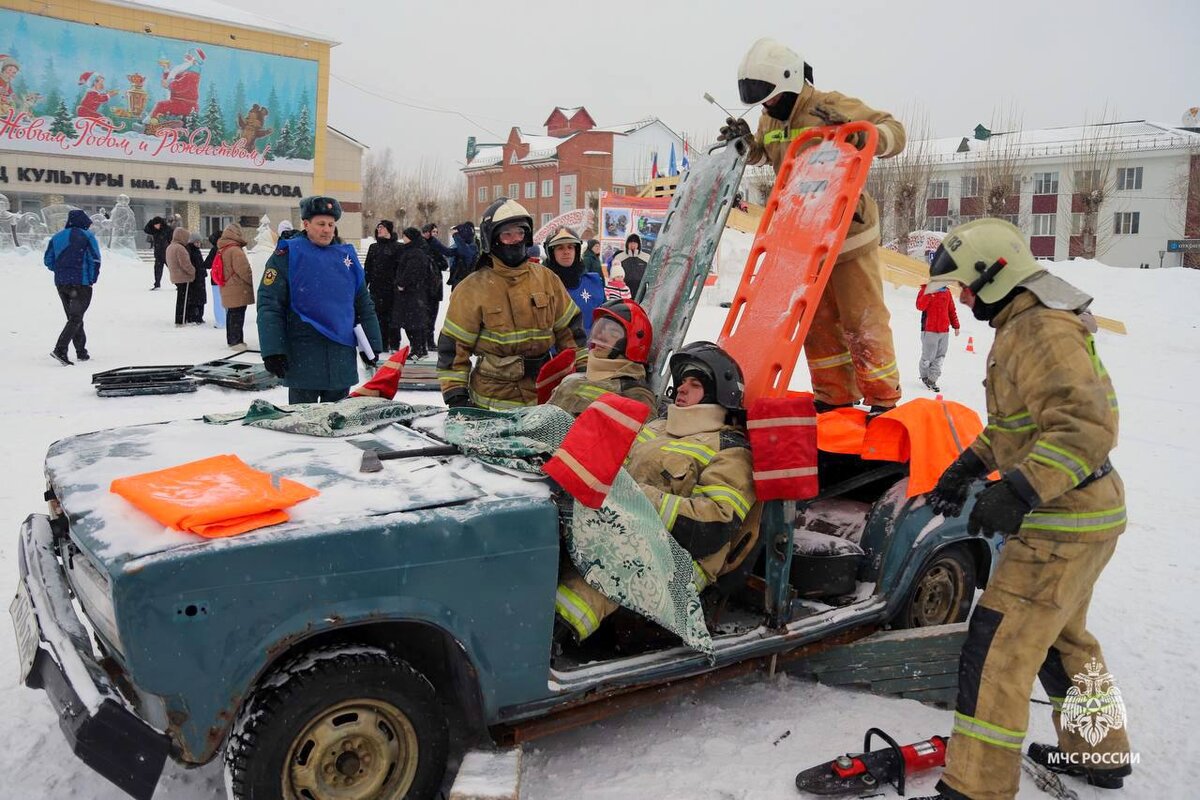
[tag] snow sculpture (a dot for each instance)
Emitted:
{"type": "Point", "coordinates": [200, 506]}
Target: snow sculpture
{"type": "Point", "coordinates": [124, 226]}
{"type": "Point", "coordinates": [8, 220]}
{"type": "Point", "coordinates": [32, 232]}
{"type": "Point", "coordinates": [262, 237]}
{"type": "Point", "coordinates": [102, 229]}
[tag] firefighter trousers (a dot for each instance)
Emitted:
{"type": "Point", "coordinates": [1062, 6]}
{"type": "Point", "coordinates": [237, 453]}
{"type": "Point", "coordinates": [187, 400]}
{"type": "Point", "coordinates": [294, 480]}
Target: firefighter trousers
{"type": "Point", "coordinates": [849, 346]}
{"type": "Point", "coordinates": [1032, 622]}
{"type": "Point", "coordinates": [584, 607]}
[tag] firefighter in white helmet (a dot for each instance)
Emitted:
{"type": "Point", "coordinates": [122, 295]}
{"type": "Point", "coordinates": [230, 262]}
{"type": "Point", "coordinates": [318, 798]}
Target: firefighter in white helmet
{"type": "Point", "coordinates": [508, 314]}
{"type": "Point", "coordinates": [1052, 421]}
{"type": "Point", "coordinates": [849, 346]}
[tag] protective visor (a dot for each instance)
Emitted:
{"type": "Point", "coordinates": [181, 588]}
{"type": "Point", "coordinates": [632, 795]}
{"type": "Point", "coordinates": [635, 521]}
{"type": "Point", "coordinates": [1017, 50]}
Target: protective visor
{"type": "Point", "coordinates": [754, 91]}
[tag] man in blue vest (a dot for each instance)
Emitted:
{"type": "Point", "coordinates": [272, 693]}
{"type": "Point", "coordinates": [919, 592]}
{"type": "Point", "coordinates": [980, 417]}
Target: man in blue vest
{"type": "Point", "coordinates": [312, 294]}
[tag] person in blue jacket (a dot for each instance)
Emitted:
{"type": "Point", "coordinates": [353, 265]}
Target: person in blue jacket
{"type": "Point", "coordinates": [312, 293]}
{"type": "Point", "coordinates": [586, 288]}
{"type": "Point", "coordinates": [73, 255]}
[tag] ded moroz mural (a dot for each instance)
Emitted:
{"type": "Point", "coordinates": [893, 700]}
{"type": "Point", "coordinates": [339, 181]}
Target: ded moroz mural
{"type": "Point", "coordinates": [78, 89]}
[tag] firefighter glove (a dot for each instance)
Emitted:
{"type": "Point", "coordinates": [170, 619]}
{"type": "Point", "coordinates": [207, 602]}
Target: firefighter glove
{"type": "Point", "coordinates": [370, 362]}
{"type": "Point", "coordinates": [998, 509]}
{"type": "Point", "coordinates": [277, 365]}
{"type": "Point", "coordinates": [733, 129]}
{"type": "Point", "coordinates": [950, 494]}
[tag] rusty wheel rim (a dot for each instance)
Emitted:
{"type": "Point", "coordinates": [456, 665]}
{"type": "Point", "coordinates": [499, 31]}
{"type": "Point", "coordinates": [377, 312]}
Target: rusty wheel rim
{"type": "Point", "coordinates": [360, 749]}
{"type": "Point", "coordinates": [938, 594]}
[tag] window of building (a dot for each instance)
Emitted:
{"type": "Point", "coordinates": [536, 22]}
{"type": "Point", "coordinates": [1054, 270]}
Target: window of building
{"type": "Point", "coordinates": [546, 218]}
{"type": "Point", "coordinates": [969, 218]}
{"type": "Point", "coordinates": [1129, 178]}
{"type": "Point", "coordinates": [618, 190]}
{"type": "Point", "coordinates": [530, 190]}
{"type": "Point", "coordinates": [548, 187]}
{"type": "Point", "coordinates": [514, 191]}
{"type": "Point", "coordinates": [1043, 224]}
{"type": "Point", "coordinates": [497, 192]}
{"type": "Point", "coordinates": [481, 194]}
{"type": "Point", "coordinates": [939, 190]}
{"type": "Point", "coordinates": [1126, 222]}
{"type": "Point", "coordinates": [1077, 223]}
{"type": "Point", "coordinates": [939, 224]}
{"type": "Point", "coordinates": [1011, 219]}
{"type": "Point", "coordinates": [1045, 183]}
{"type": "Point", "coordinates": [1016, 184]}
{"type": "Point", "coordinates": [970, 186]}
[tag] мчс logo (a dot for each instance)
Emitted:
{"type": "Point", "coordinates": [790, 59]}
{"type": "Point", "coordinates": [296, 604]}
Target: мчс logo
{"type": "Point", "coordinates": [1093, 705]}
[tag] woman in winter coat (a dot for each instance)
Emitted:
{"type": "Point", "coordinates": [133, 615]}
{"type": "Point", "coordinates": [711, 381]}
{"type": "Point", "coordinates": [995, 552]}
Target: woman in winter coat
{"type": "Point", "coordinates": [181, 271]}
{"type": "Point", "coordinates": [238, 290]}
{"type": "Point", "coordinates": [591, 258]}
{"type": "Point", "coordinates": [380, 268]}
{"type": "Point", "coordinates": [198, 291]}
{"type": "Point", "coordinates": [411, 297]}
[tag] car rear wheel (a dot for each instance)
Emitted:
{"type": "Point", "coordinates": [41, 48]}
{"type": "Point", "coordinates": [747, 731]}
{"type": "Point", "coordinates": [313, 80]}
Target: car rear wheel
{"type": "Point", "coordinates": [942, 591]}
{"type": "Point", "coordinates": [340, 724]}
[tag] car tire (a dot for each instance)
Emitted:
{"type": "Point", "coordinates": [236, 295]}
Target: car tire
{"type": "Point", "coordinates": [942, 591]}
{"type": "Point", "coordinates": [339, 722]}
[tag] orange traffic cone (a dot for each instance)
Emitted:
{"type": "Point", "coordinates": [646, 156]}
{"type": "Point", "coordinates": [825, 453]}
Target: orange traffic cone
{"type": "Point", "coordinates": [970, 344]}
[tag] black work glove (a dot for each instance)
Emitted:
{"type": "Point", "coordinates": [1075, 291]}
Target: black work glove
{"type": "Point", "coordinates": [370, 362]}
{"type": "Point", "coordinates": [998, 509]}
{"type": "Point", "coordinates": [277, 365]}
{"type": "Point", "coordinates": [858, 139]}
{"type": "Point", "coordinates": [950, 494]}
{"type": "Point", "coordinates": [733, 129]}
{"type": "Point", "coordinates": [458, 399]}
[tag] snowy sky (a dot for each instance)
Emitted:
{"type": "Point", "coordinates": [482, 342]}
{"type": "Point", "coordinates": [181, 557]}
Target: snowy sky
{"type": "Point", "coordinates": [1056, 63]}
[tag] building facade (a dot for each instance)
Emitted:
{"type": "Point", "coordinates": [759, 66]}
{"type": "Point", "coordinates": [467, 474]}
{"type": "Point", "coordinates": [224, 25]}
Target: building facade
{"type": "Point", "coordinates": [1117, 192]}
{"type": "Point", "coordinates": [569, 166]}
{"type": "Point", "coordinates": [217, 118]}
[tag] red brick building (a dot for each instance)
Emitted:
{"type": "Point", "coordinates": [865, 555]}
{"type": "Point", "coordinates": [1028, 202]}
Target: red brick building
{"type": "Point", "coordinates": [557, 172]}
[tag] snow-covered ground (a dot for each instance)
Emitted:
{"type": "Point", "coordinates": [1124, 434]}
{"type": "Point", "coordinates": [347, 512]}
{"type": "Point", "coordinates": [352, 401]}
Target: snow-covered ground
{"type": "Point", "coordinates": [746, 739]}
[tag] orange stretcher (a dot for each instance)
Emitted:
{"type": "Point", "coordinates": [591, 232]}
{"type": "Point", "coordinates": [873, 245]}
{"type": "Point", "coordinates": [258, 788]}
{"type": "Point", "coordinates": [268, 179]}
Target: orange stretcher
{"type": "Point", "coordinates": [798, 241]}
{"type": "Point", "coordinates": [213, 497]}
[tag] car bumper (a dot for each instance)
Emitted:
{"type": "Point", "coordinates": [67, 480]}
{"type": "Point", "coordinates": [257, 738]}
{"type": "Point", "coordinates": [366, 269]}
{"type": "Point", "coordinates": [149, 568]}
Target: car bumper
{"type": "Point", "coordinates": [56, 656]}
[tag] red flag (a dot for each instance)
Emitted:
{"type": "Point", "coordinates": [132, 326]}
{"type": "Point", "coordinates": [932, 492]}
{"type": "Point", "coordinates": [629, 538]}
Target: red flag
{"type": "Point", "coordinates": [654, 165]}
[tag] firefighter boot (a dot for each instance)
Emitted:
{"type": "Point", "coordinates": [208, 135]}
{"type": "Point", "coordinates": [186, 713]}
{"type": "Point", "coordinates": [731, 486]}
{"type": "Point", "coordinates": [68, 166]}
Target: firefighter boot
{"type": "Point", "coordinates": [1055, 760]}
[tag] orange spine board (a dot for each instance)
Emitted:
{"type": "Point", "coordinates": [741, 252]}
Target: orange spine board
{"type": "Point", "coordinates": [798, 240]}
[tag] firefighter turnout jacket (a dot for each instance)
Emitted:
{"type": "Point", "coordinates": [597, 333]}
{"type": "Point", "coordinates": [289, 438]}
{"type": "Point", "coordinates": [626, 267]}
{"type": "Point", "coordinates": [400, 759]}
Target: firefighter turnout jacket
{"type": "Point", "coordinates": [509, 319]}
{"type": "Point", "coordinates": [1052, 421]}
{"type": "Point", "coordinates": [696, 470]}
{"type": "Point", "coordinates": [604, 375]}
{"type": "Point", "coordinates": [816, 109]}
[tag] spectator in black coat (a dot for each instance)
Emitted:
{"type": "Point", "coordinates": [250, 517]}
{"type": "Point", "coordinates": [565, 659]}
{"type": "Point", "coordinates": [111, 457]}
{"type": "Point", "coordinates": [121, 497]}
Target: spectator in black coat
{"type": "Point", "coordinates": [382, 258]}
{"type": "Point", "coordinates": [466, 253]}
{"type": "Point", "coordinates": [159, 232]}
{"type": "Point", "coordinates": [197, 296]}
{"type": "Point", "coordinates": [411, 298]}
{"type": "Point", "coordinates": [438, 255]}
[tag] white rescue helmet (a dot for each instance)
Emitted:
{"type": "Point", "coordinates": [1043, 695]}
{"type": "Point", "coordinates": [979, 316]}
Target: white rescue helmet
{"type": "Point", "coordinates": [770, 68]}
{"type": "Point", "coordinates": [989, 256]}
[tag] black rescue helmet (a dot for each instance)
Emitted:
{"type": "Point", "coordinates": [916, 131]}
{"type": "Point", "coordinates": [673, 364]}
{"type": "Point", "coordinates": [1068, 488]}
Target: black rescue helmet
{"type": "Point", "coordinates": [707, 358]}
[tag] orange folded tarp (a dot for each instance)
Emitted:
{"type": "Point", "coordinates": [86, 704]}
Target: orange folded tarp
{"type": "Point", "coordinates": [213, 497]}
{"type": "Point", "coordinates": [927, 434]}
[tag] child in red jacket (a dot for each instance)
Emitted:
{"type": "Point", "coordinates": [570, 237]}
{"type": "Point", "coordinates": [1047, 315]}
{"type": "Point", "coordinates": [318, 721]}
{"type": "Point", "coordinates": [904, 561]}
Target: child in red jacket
{"type": "Point", "coordinates": [937, 317]}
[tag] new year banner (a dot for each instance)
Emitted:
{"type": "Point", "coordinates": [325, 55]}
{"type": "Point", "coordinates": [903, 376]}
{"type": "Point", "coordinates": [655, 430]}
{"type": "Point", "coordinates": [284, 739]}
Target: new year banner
{"type": "Point", "coordinates": [73, 89]}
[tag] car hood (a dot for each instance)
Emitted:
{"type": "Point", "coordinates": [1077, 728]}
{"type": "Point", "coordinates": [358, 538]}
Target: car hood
{"type": "Point", "coordinates": [116, 534]}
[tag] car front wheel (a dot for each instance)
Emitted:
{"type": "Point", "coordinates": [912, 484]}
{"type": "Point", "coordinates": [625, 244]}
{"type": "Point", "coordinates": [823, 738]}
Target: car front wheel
{"type": "Point", "coordinates": [942, 592]}
{"type": "Point", "coordinates": [344, 723]}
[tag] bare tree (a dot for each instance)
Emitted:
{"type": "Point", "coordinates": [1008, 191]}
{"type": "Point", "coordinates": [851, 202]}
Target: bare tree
{"type": "Point", "coordinates": [416, 196]}
{"type": "Point", "coordinates": [1093, 184]}
{"type": "Point", "coordinates": [1000, 168]}
{"type": "Point", "coordinates": [900, 185]}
